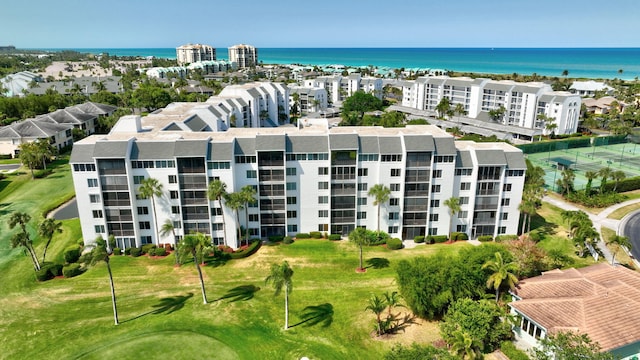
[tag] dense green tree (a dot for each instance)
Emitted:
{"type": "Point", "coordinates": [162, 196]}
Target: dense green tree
{"type": "Point", "coordinates": [590, 175]}
{"type": "Point", "coordinates": [617, 176]}
{"type": "Point", "coordinates": [45, 150]}
{"type": "Point", "coordinates": [48, 227]}
{"type": "Point", "coordinates": [192, 244]}
{"type": "Point", "coordinates": [497, 114]}
{"type": "Point", "coordinates": [605, 174]}
{"type": "Point", "coordinates": [30, 156]}
{"type": "Point", "coordinates": [100, 252]}
{"type": "Point", "coordinates": [502, 273]}
{"type": "Point", "coordinates": [359, 237]}
{"type": "Point", "coordinates": [569, 346]}
{"type": "Point", "coordinates": [443, 107]}
{"type": "Point", "coordinates": [361, 102]}
{"type": "Point", "coordinates": [465, 347]}
{"type": "Point", "coordinates": [280, 276]}
{"type": "Point", "coordinates": [151, 96]}
{"type": "Point", "coordinates": [565, 183]}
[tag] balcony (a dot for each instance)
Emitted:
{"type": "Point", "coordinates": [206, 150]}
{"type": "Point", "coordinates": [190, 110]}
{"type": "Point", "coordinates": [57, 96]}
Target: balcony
{"type": "Point", "coordinates": [422, 222]}
{"type": "Point", "coordinates": [414, 193]}
{"type": "Point", "coordinates": [343, 220]}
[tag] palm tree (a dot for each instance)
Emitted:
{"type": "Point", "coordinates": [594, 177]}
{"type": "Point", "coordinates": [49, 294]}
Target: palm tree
{"type": "Point", "coordinates": [459, 110]}
{"type": "Point", "coordinates": [151, 188]}
{"type": "Point", "coordinates": [443, 107]}
{"type": "Point", "coordinates": [279, 277]}
{"type": "Point", "coordinates": [503, 273]}
{"type": "Point", "coordinates": [166, 229]}
{"type": "Point", "coordinates": [617, 176]}
{"type": "Point", "coordinates": [465, 347]}
{"type": "Point", "coordinates": [234, 202]}
{"type": "Point", "coordinates": [45, 151]}
{"type": "Point", "coordinates": [22, 238]}
{"type": "Point", "coordinates": [377, 305]}
{"type": "Point", "coordinates": [566, 182]}
{"type": "Point", "coordinates": [247, 196]}
{"type": "Point", "coordinates": [453, 203]}
{"type": "Point", "coordinates": [527, 207]}
{"type": "Point", "coordinates": [47, 229]}
{"type": "Point", "coordinates": [193, 244]}
{"type": "Point", "coordinates": [605, 173]}
{"type": "Point", "coordinates": [29, 156]}
{"type": "Point", "coordinates": [392, 300]}
{"type": "Point", "coordinates": [360, 238]}
{"type": "Point", "coordinates": [619, 241]}
{"type": "Point", "coordinates": [217, 191]}
{"type": "Point", "coordinates": [100, 252]}
{"type": "Point", "coordinates": [590, 175]}
{"type": "Point", "coordinates": [381, 195]}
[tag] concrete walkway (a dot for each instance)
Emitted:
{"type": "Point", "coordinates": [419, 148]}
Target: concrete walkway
{"type": "Point", "coordinates": [599, 220]}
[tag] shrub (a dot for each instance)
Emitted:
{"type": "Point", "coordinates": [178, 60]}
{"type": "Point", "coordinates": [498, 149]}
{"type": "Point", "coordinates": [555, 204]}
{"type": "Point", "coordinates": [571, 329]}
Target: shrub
{"type": "Point", "coordinates": [44, 274]}
{"type": "Point", "coordinates": [377, 237]}
{"type": "Point", "coordinates": [394, 244]}
{"type": "Point", "coordinates": [146, 248]}
{"type": "Point", "coordinates": [510, 350]}
{"type": "Point", "coordinates": [54, 269]}
{"type": "Point", "coordinates": [418, 239]}
{"type": "Point", "coordinates": [72, 254]}
{"type": "Point", "coordinates": [117, 251]}
{"type": "Point", "coordinates": [276, 238]}
{"type": "Point", "coordinates": [436, 239]}
{"type": "Point", "coordinates": [287, 240]}
{"type": "Point", "coordinates": [596, 200]}
{"type": "Point", "coordinates": [71, 270]}
{"type": "Point", "coordinates": [485, 238]}
{"type": "Point", "coordinates": [250, 250]}
{"type": "Point", "coordinates": [335, 237]}
{"type": "Point", "coordinates": [501, 238]}
{"type": "Point", "coordinates": [302, 236]}
{"type": "Point", "coordinates": [39, 174]}
{"type": "Point", "coordinates": [325, 235]}
{"type": "Point", "coordinates": [152, 252]}
{"type": "Point", "coordinates": [161, 251]}
{"type": "Point", "coordinates": [315, 235]}
{"type": "Point", "coordinates": [135, 252]}
{"type": "Point", "coordinates": [455, 236]}
{"type": "Point", "coordinates": [127, 251]}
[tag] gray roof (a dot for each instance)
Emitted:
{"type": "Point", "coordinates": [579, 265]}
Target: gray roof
{"type": "Point", "coordinates": [270, 142]}
{"type": "Point", "coordinates": [464, 160]}
{"type": "Point", "coordinates": [94, 108]}
{"type": "Point", "coordinates": [343, 141]}
{"type": "Point", "coordinates": [307, 144]}
{"type": "Point", "coordinates": [245, 146]}
{"type": "Point", "coordinates": [221, 151]}
{"type": "Point", "coordinates": [82, 153]}
{"type": "Point", "coordinates": [369, 145]}
{"type": "Point", "coordinates": [110, 149]}
{"type": "Point", "coordinates": [515, 160]}
{"type": "Point", "coordinates": [191, 148]}
{"type": "Point", "coordinates": [418, 143]}
{"type": "Point", "coordinates": [153, 150]}
{"type": "Point", "coordinates": [29, 128]}
{"type": "Point", "coordinates": [445, 146]}
{"type": "Point", "coordinates": [390, 145]}
{"type": "Point", "coordinates": [64, 116]}
{"type": "Point", "coordinates": [491, 157]}
{"type": "Point", "coordinates": [195, 123]}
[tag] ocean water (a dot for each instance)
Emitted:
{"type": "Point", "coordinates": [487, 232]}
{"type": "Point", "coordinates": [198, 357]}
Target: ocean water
{"type": "Point", "coordinates": [604, 63]}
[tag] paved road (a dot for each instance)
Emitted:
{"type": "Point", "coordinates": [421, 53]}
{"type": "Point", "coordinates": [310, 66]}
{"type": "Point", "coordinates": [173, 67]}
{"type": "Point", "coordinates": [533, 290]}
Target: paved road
{"type": "Point", "coordinates": [66, 211]}
{"type": "Point", "coordinates": [9, 167]}
{"type": "Point", "coordinates": [631, 229]}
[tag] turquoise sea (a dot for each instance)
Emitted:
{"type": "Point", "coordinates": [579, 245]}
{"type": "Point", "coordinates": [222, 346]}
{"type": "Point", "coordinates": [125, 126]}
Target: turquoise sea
{"type": "Point", "coordinates": [604, 63]}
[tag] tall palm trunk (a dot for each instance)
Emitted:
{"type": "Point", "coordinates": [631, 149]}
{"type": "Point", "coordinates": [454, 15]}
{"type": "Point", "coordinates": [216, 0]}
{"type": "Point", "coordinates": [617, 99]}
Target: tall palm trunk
{"type": "Point", "coordinates": [528, 223]}
{"type": "Point", "coordinates": [155, 221]}
{"type": "Point", "coordinates": [238, 227]}
{"type": "Point", "coordinates": [246, 224]}
{"type": "Point", "coordinates": [524, 223]}
{"type": "Point", "coordinates": [113, 293]}
{"type": "Point", "coordinates": [361, 257]}
{"type": "Point", "coordinates": [44, 252]}
{"type": "Point", "coordinates": [224, 224]}
{"type": "Point", "coordinates": [286, 307]}
{"type": "Point", "coordinates": [34, 257]}
{"type": "Point", "coordinates": [195, 261]}
{"type": "Point", "coordinates": [497, 293]}
{"type": "Point", "coordinates": [175, 246]}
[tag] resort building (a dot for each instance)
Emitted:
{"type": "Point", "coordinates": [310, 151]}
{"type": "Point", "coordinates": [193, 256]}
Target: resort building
{"type": "Point", "coordinates": [307, 178]}
{"type": "Point", "coordinates": [600, 301]}
{"type": "Point", "coordinates": [521, 104]}
{"type": "Point", "coordinates": [309, 99]}
{"type": "Point", "coordinates": [206, 67]}
{"type": "Point", "coordinates": [590, 88]}
{"type": "Point", "coordinates": [190, 53]}
{"type": "Point", "coordinates": [245, 56]}
{"type": "Point", "coordinates": [340, 87]}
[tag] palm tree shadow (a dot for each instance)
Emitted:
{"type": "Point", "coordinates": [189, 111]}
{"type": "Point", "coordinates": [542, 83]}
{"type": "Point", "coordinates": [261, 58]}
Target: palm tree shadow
{"type": "Point", "coordinates": [314, 315]}
{"type": "Point", "coordinates": [166, 305]}
{"type": "Point", "coordinates": [377, 263]}
{"type": "Point", "coordinates": [242, 292]}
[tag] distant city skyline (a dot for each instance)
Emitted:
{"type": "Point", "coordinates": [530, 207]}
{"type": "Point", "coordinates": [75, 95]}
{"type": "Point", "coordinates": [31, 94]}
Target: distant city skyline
{"type": "Point", "coordinates": [331, 23]}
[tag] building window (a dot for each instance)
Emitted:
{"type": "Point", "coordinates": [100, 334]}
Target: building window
{"type": "Point", "coordinates": [137, 179]}
{"type": "Point", "coordinates": [245, 159]}
{"type": "Point", "coordinates": [291, 171]}
{"type": "Point", "coordinates": [435, 188]}
{"type": "Point", "coordinates": [436, 174]}
{"type": "Point", "coordinates": [505, 202]}
{"type": "Point", "coordinates": [390, 158]}
{"type": "Point", "coordinates": [363, 186]}
{"type": "Point", "coordinates": [443, 159]}
{"type": "Point", "coordinates": [394, 215]}
{"type": "Point", "coordinates": [94, 198]}
{"type": "Point", "coordinates": [392, 229]}
{"type": "Point", "coordinates": [461, 228]}
{"type": "Point", "coordinates": [502, 230]}
{"type": "Point", "coordinates": [394, 187]}
{"type": "Point", "coordinates": [395, 172]}
{"type": "Point", "coordinates": [504, 216]}
{"type": "Point", "coordinates": [218, 165]}
{"type": "Point", "coordinates": [291, 186]}
{"type": "Point", "coordinates": [145, 239]}
{"type": "Point", "coordinates": [323, 199]}
{"type": "Point", "coordinates": [323, 185]}
{"type": "Point", "coordinates": [323, 227]}
{"type": "Point", "coordinates": [464, 172]}
{"type": "Point", "coordinates": [175, 209]}
{"type": "Point", "coordinates": [92, 182]}
{"type": "Point", "coordinates": [173, 194]}
{"type": "Point", "coordinates": [433, 231]}
{"type": "Point", "coordinates": [216, 226]}
{"type": "Point", "coordinates": [363, 172]}
{"type": "Point", "coordinates": [394, 202]}
{"type": "Point", "coordinates": [323, 171]}
{"type": "Point", "coordinates": [216, 211]}
{"type": "Point", "coordinates": [464, 200]}
{"type": "Point", "coordinates": [144, 225]}
{"type": "Point", "coordinates": [506, 187]}
{"type": "Point", "coordinates": [177, 225]}
{"type": "Point", "coordinates": [97, 214]}
{"type": "Point", "coordinates": [252, 174]}
{"type": "Point", "coordinates": [292, 228]}
{"type": "Point", "coordinates": [362, 201]}
{"type": "Point", "coordinates": [465, 186]}
{"type": "Point", "coordinates": [435, 203]}
{"type": "Point", "coordinates": [143, 210]}
{"type": "Point", "coordinates": [292, 214]}
{"type": "Point", "coordinates": [99, 229]}
{"type": "Point", "coordinates": [433, 217]}
{"type": "Point", "coordinates": [515, 172]}
{"type": "Point", "coordinates": [463, 214]}
{"type": "Point", "coordinates": [362, 215]}
{"type": "Point", "coordinates": [254, 217]}
{"type": "Point", "coordinates": [292, 200]}
{"type": "Point", "coordinates": [173, 179]}
{"type": "Point", "coordinates": [323, 213]}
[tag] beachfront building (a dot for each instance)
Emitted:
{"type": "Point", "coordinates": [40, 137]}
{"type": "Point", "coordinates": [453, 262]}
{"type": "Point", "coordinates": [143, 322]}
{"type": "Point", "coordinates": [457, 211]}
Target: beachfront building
{"type": "Point", "coordinates": [309, 99]}
{"type": "Point", "coordinates": [341, 87]}
{"type": "Point", "coordinates": [190, 53]}
{"type": "Point", "coordinates": [205, 67]}
{"type": "Point", "coordinates": [522, 104]}
{"type": "Point", "coordinates": [307, 178]}
{"type": "Point", "coordinates": [590, 88]}
{"type": "Point", "coordinates": [245, 56]}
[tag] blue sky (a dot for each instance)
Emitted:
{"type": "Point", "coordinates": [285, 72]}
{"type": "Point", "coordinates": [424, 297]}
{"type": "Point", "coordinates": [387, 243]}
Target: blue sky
{"type": "Point", "coordinates": [325, 23]}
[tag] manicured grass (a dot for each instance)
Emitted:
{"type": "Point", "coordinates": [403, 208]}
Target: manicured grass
{"type": "Point", "coordinates": [621, 256]}
{"type": "Point", "coordinates": [620, 213]}
{"type": "Point", "coordinates": [9, 161]}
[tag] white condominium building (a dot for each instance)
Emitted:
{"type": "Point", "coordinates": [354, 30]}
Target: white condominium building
{"type": "Point", "coordinates": [190, 53]}
{"type": "Point", "coordinates": [309, 99]}
{"type": "Point", "coordinates": [245, 56]}
{"type": "Point", "coordinates": [308, 178]}
{"type": "Point", "coordinates": [341, 87]}
{"type": "Point", "coordinates": [523, 103]}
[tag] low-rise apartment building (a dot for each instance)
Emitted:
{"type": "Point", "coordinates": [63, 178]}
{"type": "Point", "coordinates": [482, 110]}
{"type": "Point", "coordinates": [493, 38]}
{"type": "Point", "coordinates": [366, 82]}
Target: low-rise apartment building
{"type": "Point", "coordinates": [341, 87]}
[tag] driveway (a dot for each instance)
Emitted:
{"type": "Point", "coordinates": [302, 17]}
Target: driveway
{"type": "Point", "coordinates": [9, 167]}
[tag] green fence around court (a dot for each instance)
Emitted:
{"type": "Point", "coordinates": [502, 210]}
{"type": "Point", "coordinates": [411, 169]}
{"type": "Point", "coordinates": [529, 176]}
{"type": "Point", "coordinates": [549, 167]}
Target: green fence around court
{"type": "Point", "coordinates": [572, 143]}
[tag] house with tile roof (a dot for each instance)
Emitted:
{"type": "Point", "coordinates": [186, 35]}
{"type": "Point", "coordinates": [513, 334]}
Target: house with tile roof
{"type": "Point", "coordinates": [601, 301]}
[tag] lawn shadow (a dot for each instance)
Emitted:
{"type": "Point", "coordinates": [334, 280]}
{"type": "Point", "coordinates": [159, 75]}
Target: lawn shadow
{"type": "Point", "coordinates": [4, 183]}
{"type": "Point", "coordinates": [314, 315]}
{"type": "Point", "coordinates": [542, 226]}
{"type": "Point", "coordinates": [166, 305]}
{"type": "Point", "coordinates": [401, 323]}
{"type": "Point", "coordinates": [377, 263]}
{"type": "Point", "coordinates": [242, 292]}
{"type": "Point", "coordinates": [217, 260]}
{"type": "Point", "coordinates": [3, 208]}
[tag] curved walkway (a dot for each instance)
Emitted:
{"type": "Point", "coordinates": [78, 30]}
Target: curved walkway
{"type": "Point", "coordinates": [599, 220]}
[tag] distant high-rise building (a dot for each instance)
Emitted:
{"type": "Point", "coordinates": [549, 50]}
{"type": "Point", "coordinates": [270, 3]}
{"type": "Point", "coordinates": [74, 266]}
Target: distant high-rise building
{"type": "Point", "coordinates": [190, 53]}
{"type": "Point", "coordinates": [243, 55]}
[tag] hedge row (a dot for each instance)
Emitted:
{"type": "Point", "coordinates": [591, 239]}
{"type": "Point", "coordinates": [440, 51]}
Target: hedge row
{"type": "Point", "coordinates": [629, 184]}
{"type": "Point", "coordinates": [72, 270]}
{"type": "Point", "coordinates": [455, 236]}
{"type": "Point", "coordinates": [48, 271]}
{"type": "Point", "coordinates": [485, 238]}
{"type": "Point", "coordinates": [436, 239]}
{"type": "Point", "coordinates": [573, 141]}
{"type": "Point", "coordinates": [72, 254]}
{"type": "Point", "coordinates": [253, 247]}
